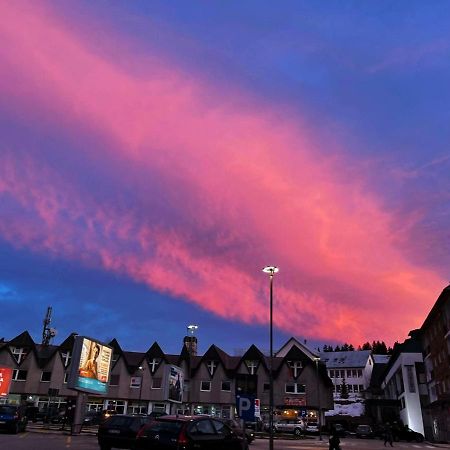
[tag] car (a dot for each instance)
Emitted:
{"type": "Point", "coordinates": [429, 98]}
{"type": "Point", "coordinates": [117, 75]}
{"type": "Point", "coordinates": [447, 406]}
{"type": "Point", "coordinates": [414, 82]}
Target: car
{"type": "Point", "coordinates": [119, 431]}
{"type": "Point", "coordinates": [187, 433]}
{"type": "Point", "coordinates": [249, 434]}
{"type": "Point", "coordinates": [92, 418]}
{"type": "Point", "coordinates": [13, 418]}
{"type": "Point", "coordinates": [295, 426]}
{"type": "Point", "coordinates": [364, 431]}
{"type": "Point", "coordinates": [406, 434]}
{"type": "Point", "coordinates": [312, 427]}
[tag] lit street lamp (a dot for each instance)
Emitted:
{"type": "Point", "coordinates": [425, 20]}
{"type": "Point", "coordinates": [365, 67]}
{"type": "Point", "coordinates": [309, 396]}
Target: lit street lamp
{"type": "Point", "coordinates": [319, 417]}
{"type": "Point", "coordinates": [271, 270]}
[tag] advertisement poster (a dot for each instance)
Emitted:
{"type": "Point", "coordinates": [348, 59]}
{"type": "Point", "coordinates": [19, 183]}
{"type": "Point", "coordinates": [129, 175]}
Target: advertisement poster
{"type": "Point", "coordinates": [92, 360]}
{"type": "Point", "coordinates": [174, 384]}
{"type": "Point", "coordinates": [5, 381]}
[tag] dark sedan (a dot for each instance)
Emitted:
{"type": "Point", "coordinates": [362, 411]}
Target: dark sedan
{"type": "Point", "coordinates": [120, 431]}
{"type": "Point", "coordinates": [13, 418]}
{"type": "Point", "coordinates": [189, 432]}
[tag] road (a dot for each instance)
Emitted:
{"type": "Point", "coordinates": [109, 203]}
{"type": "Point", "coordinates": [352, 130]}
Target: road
{"type": "Point", "coordinates": [59, 441]}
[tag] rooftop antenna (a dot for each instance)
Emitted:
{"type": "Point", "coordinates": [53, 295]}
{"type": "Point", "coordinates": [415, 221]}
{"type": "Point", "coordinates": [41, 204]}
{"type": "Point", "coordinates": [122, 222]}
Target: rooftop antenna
{"type": "Point", "coordinates": [48, 333]}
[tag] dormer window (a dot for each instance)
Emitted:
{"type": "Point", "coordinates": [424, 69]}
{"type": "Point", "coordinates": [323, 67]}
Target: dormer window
{"type": "Point", "coordinates": [212, 366]}
{"type": "Point", "coordinates": [19, 353]}
{"type": "Point", "coordinates": [66, 357]}
{"type": "Point", "coordinates": [251, 366]}
{"type": "Point", "coordinates": [295, 367]}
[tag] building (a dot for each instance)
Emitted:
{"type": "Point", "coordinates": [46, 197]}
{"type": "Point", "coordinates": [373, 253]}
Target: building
{"type": "Point", "coordinates": [404, 381]}
{"type": "Point", "coordinates": [137, 379]}
{"type": "Point", "coordinates": [435, 335]}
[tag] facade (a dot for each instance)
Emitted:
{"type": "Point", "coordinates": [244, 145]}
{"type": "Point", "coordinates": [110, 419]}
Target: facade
{"type": "Point", "coordinates": [138, 382]}
{"type": "Point", "coordinates": [404, 381]}
{"type": "Point", "coordinates": [435, 334]}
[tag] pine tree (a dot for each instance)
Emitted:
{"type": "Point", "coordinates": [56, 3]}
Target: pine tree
{"type": "Point", "coordinates": [344, 390]}
{"type": "Point", "coordinates": [351, 348]}
{"type": "Point", "coordinates": [367, 346]}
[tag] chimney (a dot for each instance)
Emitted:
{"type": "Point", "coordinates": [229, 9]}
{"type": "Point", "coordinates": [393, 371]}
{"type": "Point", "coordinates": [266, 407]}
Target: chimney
{"type": "Point", "coordinates": [190, 341]}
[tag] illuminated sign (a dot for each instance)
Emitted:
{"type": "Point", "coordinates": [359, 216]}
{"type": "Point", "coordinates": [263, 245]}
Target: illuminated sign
{"type": "Point", "coordinates": [91, 365]}
{"type": "Point", "coordinates": [5, 381]}
{"type": "Point", "coordinates": [174, 384]}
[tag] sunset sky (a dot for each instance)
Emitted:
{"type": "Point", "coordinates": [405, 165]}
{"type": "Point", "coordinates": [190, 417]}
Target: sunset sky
{"type": "Point", "coordinates": [155, 156]}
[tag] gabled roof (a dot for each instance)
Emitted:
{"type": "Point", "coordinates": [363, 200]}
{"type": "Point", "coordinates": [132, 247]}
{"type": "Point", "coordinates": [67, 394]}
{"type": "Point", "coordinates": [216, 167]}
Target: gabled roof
{"type": "Point", "coordinates": [67, 344]}
{"type": "Point", "coordinates": [45, 353]}
{"type": "Point", "coordinates": [133, 360]}
{"type": "Point", "coordinates": [294, 342]}
{"type": "Point", "coordinates": [347, 359]}
{"type": "Point", "coordinates": [155, 351]}
{"type": "Point", "coordinates": [22, 340]}
{"type": "Point", "coordinates": [253, 353]}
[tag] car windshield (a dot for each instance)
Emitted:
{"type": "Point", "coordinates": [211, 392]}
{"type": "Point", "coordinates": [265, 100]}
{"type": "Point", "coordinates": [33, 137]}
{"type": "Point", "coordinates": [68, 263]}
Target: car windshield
{"type": "Point", "coordinates": [364, 427]}
{"type": "Point", "coordinates": [8, 410]}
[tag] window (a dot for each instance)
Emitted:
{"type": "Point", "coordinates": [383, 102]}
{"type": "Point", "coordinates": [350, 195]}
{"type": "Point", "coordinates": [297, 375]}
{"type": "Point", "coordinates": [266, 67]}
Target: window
{"type": "Point", "coordinates": [354, 373]}
{"type": "Point", "coordinates": [251, 366]}
{"type": "Point", "coordinates": [359, 372]}
{"type": "Point", "coordinates": [205, 386]}
{"type": "Point", "coordinates": [46, 376]}
{"type": "Point", "coordinates": [402, 403]}
{"type": "Point", "coordinates": [221, 428]}
{"type": "Point", "coordinates": [226, 386]}
{"type": "Point", "coordinates": [211, 365]}
{"type": "Point", "coordinates": [202, 427]}
{"type": "Point", "coordinates": [135, 382]}
{"type": "Point", "coordinates": [114, 380]}
{"type": "Point", "coordinates": [295, 367]}
{"type": "Point", "coordinates": [19, 375]}
{"type": "Point", "coordinates": [361, 388]}
{"type": "Point", "coordinates": [355, 388]}
{"type": "Point", "coordinates": [294, 388]}
{"type": "Point", "coordinates": [331, 373]}
{"type": "Point", "coordinates": [66, 377]}
{"type": "Point", "coordinates": [266, 387]}
{"type": "Point", "coordinates": [349, 373]}
{"type": "Point", "coordinates": [157, 383]}
{"type": "Point", "coordinates": [19, 354]}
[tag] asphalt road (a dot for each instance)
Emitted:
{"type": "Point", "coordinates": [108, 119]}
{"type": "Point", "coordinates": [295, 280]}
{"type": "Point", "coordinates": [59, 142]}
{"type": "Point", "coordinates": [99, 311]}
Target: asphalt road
{"type": "Point", "coordinates": [59, 441]}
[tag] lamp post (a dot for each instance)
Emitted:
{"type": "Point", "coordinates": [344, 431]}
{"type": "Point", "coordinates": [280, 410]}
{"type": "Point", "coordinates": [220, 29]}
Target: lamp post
{"type": "Point", "coordinates": [141, 369]}
{"type": "Point", "coordinates": [271, 270]}
{"type": "Point", "coordinates": [319, 417]}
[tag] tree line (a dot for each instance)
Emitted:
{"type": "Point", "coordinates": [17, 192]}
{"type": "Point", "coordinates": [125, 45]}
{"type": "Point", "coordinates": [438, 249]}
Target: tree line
{"type": "Point", "coordinates": [377, 347]}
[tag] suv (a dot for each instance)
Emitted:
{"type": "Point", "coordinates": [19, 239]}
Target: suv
{"type": "Point", "coordinates": [120, 431]}
{"type": "Point", "coordinates": [295, 426]}
{"type": "Point", "coordinates": [364, 431]}
{"type": "Point", "coordinates": [13, 418]}
{"type": "Point", "coordinates": [189, 432]}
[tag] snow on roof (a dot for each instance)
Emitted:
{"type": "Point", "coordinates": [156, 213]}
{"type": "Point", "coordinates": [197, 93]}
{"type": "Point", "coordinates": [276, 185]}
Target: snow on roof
{"type": "Point", "coordinates": [345, 359]}
{"type": "Point", "coordinates": [381, 359]}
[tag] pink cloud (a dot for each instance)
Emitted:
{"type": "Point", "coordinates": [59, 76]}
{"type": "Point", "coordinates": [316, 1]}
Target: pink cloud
{"type": "Point", "coordinates": [244, 174]}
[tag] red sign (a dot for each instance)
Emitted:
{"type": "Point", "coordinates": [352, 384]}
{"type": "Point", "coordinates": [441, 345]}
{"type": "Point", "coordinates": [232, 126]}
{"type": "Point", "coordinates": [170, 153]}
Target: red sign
{"type": "Point", "coordinates": [5, 380]}
{"type": "Point", "coordinates": [294, 401]}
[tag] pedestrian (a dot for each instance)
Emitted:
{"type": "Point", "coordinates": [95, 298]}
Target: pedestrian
{"type": "Point", "coordinates": [334, 442]}
{"type": "Point", "coordinates": [388, 434]}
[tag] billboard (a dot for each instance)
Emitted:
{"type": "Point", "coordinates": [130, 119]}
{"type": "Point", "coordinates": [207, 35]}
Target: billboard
{"type": "Point", "coordinates": [5, 381]}
{"type": "Point", "coordinates": [91, 364]}
{"type": "Point", "coordinates": [174, 384]}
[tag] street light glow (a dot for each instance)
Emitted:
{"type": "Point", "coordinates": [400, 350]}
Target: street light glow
{"type": "Point", "coordinates": [271, 269]}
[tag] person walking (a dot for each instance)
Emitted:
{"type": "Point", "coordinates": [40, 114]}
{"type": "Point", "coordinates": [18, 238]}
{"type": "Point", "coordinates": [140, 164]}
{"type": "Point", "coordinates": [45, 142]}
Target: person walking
{"type": "Point", "coordinates": [388, 435]}
{"type": "Point", "coordinates": [334, 442]}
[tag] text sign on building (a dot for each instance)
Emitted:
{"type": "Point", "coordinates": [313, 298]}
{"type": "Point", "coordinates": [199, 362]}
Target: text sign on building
{"type": "Point", "coordinates": [5, 381]}
{"type": "Point", "coordinates": [245, 405]}
{"type": "Point", "coordinates": [91, 365]}
{"type": "Point", "coordinates": [294, 401]}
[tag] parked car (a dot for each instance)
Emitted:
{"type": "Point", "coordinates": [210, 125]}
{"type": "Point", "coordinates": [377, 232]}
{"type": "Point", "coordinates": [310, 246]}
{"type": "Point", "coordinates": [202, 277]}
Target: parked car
{"type": "Point", "coordinates": [13, 418]}
{"type": "Point", "coordinates": [406, 434]}
{"type": "Point", "coordinates": [237, 428]}
{"type": "Point", "coordinates": [189, 432]}
{"type": "Point", "coordinates": [312, 428]}
{"type": "Point", "coordinates": [295, 426]}
{"type": "Point", "coordinates": [92, 418]}
{"type": "Point", "coordinates": [364, 431]}
{"type": "Point", "coordinates": [119, 431]}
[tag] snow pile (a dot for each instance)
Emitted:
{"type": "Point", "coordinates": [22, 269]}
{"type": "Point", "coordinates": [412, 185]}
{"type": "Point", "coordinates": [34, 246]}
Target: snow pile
{"type": "Point", "coordinates": [349, 409]}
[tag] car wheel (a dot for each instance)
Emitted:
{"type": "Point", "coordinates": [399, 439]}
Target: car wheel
{"type": "Point", "coordinates": [297, 432]}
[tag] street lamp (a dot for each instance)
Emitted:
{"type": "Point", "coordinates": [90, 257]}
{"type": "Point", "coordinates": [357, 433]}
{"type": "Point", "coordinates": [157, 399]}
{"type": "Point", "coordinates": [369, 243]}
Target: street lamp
{"type": "Point", "coordinates": [141, 368]}
{"type": "Point", "coordinates": [271, 270]}
{"type": "Point", "coordinates": [319, 417]}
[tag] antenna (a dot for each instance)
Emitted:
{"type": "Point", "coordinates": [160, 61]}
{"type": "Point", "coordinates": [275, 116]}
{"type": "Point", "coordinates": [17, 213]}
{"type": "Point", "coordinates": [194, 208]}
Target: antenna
{"type": "Point", "coordinates": [48, 333]}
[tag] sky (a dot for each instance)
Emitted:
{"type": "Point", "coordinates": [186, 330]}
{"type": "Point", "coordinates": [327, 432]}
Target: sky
{"type": "Point", "coordinates": [155, 156]}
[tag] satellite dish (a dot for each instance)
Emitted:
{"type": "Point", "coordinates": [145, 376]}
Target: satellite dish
{"type": "Point", "coordinates": [53, 332]}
